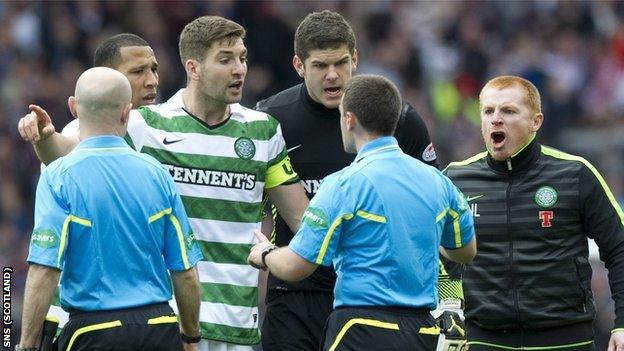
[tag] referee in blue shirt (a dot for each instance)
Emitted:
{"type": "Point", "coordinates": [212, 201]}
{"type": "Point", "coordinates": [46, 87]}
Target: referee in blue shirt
{"type": "Point", "coordinates": [380, 222]}
{"type": "Point", "coordinates": [109, 222]}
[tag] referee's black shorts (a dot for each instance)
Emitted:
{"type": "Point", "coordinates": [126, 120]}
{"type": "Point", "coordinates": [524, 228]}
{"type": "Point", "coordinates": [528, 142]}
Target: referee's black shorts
{"type": "Point", "coordinates": [294, 320]}
{"type": "Point", "coordinates": [152, 327]}
{"type": "Point", "coordinates": [380, 328]}
{"type": "Point", "coordinates": [573, 337]}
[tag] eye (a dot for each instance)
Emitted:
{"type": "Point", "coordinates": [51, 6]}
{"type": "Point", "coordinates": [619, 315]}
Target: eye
{"type": "Point", "coordinates": [488, 111]}
{"type": "Point", "coordinates": [243, 59]}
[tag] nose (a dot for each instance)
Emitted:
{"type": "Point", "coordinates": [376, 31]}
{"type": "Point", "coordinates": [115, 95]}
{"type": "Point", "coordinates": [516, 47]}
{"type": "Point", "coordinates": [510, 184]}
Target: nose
{"type": "Point", "coordinates": [152, 79]}
{"type": "Point", "coordinates": [497, 120]}
{"type": "Point", "coordinates": [239, 68]}
{"type": "Point", "coordinates": [332, 74]}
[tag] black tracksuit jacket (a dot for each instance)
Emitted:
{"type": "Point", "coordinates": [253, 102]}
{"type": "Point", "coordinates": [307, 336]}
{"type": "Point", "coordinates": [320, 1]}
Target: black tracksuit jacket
{"type": "Point", "coordinates": [533, 214]}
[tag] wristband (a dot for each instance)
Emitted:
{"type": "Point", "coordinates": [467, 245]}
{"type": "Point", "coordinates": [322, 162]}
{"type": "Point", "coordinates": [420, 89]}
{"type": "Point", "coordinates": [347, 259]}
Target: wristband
{"type": "Point", "coordinates": [190, 339]}
{"type": "Point", "coordinates": [265, 252]}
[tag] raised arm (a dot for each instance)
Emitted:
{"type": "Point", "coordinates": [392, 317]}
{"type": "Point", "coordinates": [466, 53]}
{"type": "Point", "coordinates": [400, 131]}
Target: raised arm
{"type": "Point", "coordinates": [37, 128]}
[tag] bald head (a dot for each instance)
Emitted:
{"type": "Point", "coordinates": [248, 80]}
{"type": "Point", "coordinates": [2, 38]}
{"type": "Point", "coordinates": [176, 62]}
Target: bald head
{"type": "Point", "coordinates": [102, 101]}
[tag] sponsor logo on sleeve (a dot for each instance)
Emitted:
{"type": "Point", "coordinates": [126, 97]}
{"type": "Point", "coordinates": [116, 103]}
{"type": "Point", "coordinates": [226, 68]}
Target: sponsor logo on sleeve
{"type": "Point", "coordinates": [45, 238]}
{"type": "Point", "coordinates": [190, 241]}
{"type": "Point", "coordinates": [315, 218]}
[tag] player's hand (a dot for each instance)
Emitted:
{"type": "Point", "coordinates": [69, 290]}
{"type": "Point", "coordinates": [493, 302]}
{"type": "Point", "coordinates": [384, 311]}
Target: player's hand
{"type": "Point", "coordinates": [35, 126]}
{"type": "Point", "coordinates": [616, 342]}
{"type": "Point", "coordinates": [255, 255]}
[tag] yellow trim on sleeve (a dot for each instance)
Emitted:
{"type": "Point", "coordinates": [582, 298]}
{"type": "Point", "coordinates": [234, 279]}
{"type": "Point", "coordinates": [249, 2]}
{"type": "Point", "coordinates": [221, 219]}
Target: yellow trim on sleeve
{"type": "Point", "coordinates": [617, 330]}
{"type": "Point", "coordinates": [158, 215]}
{"type": "Point", "coordinates": [178, 229]}
{"type": "Point", "coordinates": [70, 218]}
{"type": "Point", "coordinates": [456, 229]}
{"type": "Point", "coordinates": [441, 215]}
{"type": "Point", "coordinates": [180, 234]}
{"type": "Point", "coordinates": [364, 321]}
{"type": "Point", "coordinates": [279, 173]}
{"type": "Point", "coordinates": [163, 320]}
{"type": "Point", "coordinates": [90, 328]}
{"type": "Point", "coordinates": [562, 155]}
{"type": "Point", "coordinates": [435, 330]}
{"type": "Point", "coordinates": [328, 235]}
{"type": "Point", "coordinates": [371, 216]}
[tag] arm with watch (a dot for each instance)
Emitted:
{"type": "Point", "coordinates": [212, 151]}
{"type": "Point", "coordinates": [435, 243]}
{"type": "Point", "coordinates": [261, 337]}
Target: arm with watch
{"type": "Point", "coordinates": [186, 291]}
{"type": "Point", "coordinates": [282, 262]}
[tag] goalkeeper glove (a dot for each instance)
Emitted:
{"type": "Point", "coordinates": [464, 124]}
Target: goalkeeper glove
{"type": "Point", "coordinates": [452, 332]}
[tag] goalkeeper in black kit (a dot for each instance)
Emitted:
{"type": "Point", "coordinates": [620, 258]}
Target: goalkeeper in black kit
{"type": "Point", "coordinates": [325, 57]}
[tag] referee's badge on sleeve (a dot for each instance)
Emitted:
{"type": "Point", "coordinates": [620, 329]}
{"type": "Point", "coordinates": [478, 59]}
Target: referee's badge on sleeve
{"type": "Point", "coordinates": [315, 218]}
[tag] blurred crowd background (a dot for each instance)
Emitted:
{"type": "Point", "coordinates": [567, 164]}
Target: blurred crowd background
{"type": "Point", "coordinates": [440, 53]}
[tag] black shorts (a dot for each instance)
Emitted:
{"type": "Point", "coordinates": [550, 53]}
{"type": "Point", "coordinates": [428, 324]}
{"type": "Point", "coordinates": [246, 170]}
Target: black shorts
{"type": "Point", "coordinates": [381, 328]}
{"type": "Point", "coordinates": [152, 327]}
{"type": "Point", "coordinates": [295, 321]}
{"type": "Point", "coordinates": [573, 337]}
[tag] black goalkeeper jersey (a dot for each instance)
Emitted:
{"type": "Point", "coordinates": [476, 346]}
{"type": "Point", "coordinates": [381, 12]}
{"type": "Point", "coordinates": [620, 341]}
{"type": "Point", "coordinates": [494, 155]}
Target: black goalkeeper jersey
{"type": "Point", "coordinates": [312, 134]}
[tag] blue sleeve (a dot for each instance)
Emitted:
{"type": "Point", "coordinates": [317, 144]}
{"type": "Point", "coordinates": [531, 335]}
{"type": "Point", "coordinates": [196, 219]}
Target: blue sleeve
{"type": "Point", "coordinates": [181, 250]}
{"type": "Point", "coordinates": [322, 224]}
{"type": "Point", "coordinates": [50, 233]}
{"type": "Point", "coordinates": [458, 228]}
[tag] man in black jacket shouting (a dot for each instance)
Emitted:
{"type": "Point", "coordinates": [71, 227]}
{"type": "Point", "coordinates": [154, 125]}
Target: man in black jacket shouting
{"type": "Point", "coordinates": [529, 286]}
{"type": "Point", "coordinates": [325, 57]}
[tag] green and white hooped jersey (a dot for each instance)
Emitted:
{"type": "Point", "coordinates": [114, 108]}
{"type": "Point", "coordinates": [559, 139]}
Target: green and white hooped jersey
{"type": "Point", "coordinates": [221, 173]}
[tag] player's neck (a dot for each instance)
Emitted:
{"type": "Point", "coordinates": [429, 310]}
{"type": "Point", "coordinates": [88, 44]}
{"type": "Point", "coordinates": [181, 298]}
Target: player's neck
{"type": "Point", "coordinates": [210, 111]}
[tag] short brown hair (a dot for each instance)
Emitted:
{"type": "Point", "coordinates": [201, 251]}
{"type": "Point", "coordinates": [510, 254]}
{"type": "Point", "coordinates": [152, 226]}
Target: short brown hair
{"type": "Point", "coordinates": [323, 30]}
{"type": "Point", "coordinates": [375, 101]}
{"type": "Point", "coordinates": [532, 94]}
{"type": "Point", "coordinates": [198, 36]}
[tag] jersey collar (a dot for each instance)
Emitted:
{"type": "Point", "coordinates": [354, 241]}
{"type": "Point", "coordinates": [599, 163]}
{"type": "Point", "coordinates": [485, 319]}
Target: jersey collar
{"type": "Point", "coordinates": [378, 145]}
{"type": "Point", "coordinates": [518, 162]}
{"type": "Point", "coordinates": [102, 142]}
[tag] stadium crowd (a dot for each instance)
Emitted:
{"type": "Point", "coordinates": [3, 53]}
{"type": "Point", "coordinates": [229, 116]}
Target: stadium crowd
{"type": "Point", "coordinates": [439, 54]}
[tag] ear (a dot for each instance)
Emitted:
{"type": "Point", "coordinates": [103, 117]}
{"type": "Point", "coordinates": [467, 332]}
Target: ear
{"type": "Point", "coordinates": [536, 124]}
{"type": "Point", "coordinates": [298, 65]}
{"type": "Point", "coordinates": [71, 103]}
{"type": "Point", "coordinates": [125, 114]}
{"type": "Point", "coordinates": [354, 60]}
{"type": "Point", "coordinates": [192, 69]}
{"type": "Point", "coordinates": [350, 120]}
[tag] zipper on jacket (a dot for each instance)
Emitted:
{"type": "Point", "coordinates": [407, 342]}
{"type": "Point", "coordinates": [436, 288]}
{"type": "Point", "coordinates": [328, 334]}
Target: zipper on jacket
{"type": "Point", "coordinates": [509, 168]}
{"type": "Point", "coordinates": [512, 266]}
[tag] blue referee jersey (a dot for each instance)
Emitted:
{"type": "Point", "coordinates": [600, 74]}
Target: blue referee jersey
{"type": "Point", "coordinates": [380, 221]}
{"type": "Point", "coordinates": [111, 220]}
